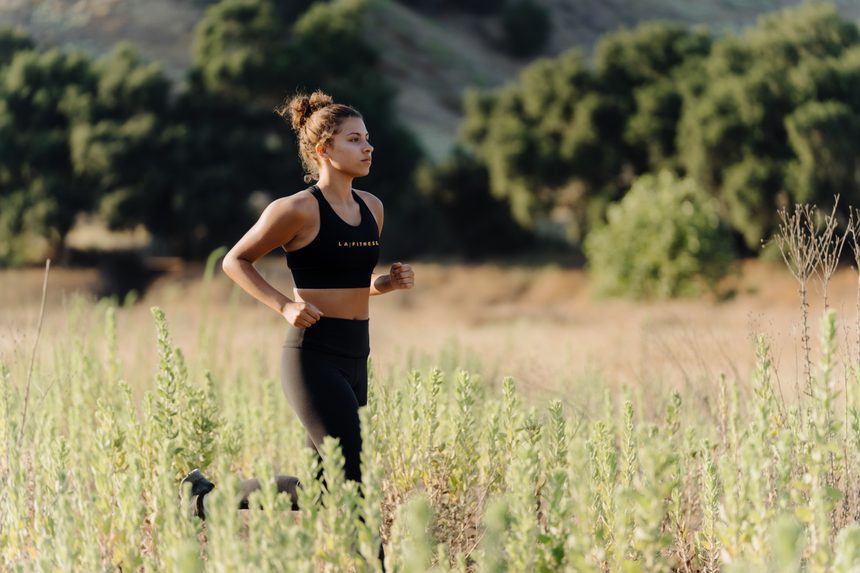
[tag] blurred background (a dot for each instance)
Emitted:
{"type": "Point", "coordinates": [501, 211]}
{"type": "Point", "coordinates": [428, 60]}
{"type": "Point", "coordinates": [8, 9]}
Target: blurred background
{"type": "Point", "coordinates": [530, 154]}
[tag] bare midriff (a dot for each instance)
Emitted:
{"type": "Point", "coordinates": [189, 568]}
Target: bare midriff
{"type": "Point", "coordinates": [349, 303]}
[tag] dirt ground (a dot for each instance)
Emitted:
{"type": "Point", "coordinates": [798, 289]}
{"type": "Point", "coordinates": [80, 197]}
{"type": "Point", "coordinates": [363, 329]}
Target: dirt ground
{"type": "Point", "coordinates": [540, 325]}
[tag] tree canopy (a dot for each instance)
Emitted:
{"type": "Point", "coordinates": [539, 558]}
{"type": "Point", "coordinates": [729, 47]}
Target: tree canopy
{"type": "Point", "coordinates": [113, 136]}
{"type": "Point", "coordinates": [759, 120]}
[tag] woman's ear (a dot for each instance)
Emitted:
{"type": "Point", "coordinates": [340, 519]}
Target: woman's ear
{"type": "Point", "coordinates": [321, 151]}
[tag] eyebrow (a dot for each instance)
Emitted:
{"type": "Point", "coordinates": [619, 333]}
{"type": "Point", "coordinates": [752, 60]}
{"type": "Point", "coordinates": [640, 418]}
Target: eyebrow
{"type": "Point", "coordinates": [356, 133]}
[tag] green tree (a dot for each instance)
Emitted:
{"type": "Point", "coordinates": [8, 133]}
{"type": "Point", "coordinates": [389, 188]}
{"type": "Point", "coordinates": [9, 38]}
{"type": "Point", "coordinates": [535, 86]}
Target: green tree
{"type": "Point", "coordinates": [478, 6]}
{"type": "Point", "coordinates": [103, 136]}
{"type": "Point", "coordinates": [109, 136]}
{"type": "Point", "coordinates": [241, 52]}
{"type": "Point", "coordinates": [13, 40]}
{"type": "Point", "coordinates": [824, 138]}
{"type": "Point", "coordinates": [473, 6]}
{"type": "Point", "coordinates": [758, 120]}
{"type": "Point", "coordinates": [750, 189]}
{"type": "Point", "coordinates": [291, 10]}
{"type": "Point", "coordinates": [470, 220]}
{"type": "Point", "coordinates": [185, 171]}
{"type": "Point", "coordinates": [39, 192]}
{"type": "Point", "coordinates": [649, 68]}
{"type": "Point", "coordinates": [563, 133]}
{"type": "Point", "coordinates": [773, 124]}
{"type": "Point", "coordinates": [122, 139]}
{"type": "Point", "coordinates": [527, 27]}
{"type": "Point", "coordinates": [536, 134]}
{"type": "Point", "coordinates": [223, 154]}
{"type": "Point", "coordinates": [652, 130]}
{"type": "Point", "coordinates": [648, 54]}
{"type": "Point", "coordinates": [245, 56]}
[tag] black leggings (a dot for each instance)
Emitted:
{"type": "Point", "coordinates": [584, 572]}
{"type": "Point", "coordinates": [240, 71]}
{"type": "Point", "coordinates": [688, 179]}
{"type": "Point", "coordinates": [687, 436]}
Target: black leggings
{"type": "Point", "coordinates": [324, 377]}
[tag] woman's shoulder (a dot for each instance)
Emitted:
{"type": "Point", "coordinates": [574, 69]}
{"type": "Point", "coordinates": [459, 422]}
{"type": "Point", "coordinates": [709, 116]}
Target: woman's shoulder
{"type": "Point", "coordinates": [300, 204]}
{"type": "Point", "coordinates": [371, 200]}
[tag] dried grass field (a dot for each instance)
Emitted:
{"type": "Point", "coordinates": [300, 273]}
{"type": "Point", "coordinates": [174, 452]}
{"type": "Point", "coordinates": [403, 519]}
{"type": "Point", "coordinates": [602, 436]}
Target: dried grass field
{"type": "Point", "coordinates": [514, 423]}
{"type": "Point", "coordinates": [540, 325]}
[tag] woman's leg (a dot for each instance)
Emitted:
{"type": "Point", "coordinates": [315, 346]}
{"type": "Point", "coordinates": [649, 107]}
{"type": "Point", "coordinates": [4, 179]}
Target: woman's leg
{"type": "Point", "coordinates": [319, 388]}
{"type": "Point", "coordinates": [325, 391]}
{"type": "Point", "coordinates": [332, 380]}
{"type": "Point", "coordinates": [285, 484]}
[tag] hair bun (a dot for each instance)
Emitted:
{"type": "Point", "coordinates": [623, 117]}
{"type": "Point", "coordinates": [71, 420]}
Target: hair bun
{"type": "Point", "coordinates": [301, 107]}
{"type": "Point", "coordinates": [313, 128]}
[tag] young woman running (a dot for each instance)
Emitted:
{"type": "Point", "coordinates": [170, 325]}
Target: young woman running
{"type": "Point", "coordinates": [330, 233]}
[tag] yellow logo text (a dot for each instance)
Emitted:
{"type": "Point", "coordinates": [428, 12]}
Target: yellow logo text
{"type": "Point", "coordinates": [358, 243]}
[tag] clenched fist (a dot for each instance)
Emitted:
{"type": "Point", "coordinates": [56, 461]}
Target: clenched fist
{"type": "Point", "coordinates": [401, 276]}
{"type": "Point", "coordinates": [301, 314]}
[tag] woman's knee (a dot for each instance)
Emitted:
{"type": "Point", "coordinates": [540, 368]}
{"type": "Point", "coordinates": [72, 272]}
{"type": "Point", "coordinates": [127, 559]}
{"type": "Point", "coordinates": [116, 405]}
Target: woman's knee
{"type": "Point", "coordinates": [286, 485]}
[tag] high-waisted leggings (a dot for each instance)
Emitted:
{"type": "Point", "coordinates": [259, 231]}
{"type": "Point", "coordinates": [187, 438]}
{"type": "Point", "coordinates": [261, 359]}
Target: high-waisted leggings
{"type": "Point", "coordinates": [324, 377]}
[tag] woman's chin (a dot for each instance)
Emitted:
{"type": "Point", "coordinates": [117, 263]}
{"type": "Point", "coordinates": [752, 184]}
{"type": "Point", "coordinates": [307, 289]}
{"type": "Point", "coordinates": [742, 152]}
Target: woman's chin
{"type": "Point", "coordinates": [358, 171]}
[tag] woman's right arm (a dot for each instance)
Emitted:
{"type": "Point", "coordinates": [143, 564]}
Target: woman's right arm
{"type": "Point", "coordinates": [279, 224]}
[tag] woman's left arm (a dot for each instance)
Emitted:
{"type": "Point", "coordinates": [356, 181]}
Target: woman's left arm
{"type": "Point", "coordinates": [400, 276]}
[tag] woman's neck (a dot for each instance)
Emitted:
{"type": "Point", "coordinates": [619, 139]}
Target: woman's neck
{"type": "Point", "coordinates": [336, 185]}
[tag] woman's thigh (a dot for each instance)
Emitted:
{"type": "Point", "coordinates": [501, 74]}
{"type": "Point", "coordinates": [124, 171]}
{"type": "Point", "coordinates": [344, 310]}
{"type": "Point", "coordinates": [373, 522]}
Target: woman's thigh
{"type": "Point", "coordinates": [321, 389]}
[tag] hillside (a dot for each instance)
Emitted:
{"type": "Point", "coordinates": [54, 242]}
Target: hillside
{"type": "Point", "coordinates": [430, 57]}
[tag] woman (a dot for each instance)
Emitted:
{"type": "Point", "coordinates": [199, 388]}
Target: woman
{"type": "Point", "coordinates": [330, 234]}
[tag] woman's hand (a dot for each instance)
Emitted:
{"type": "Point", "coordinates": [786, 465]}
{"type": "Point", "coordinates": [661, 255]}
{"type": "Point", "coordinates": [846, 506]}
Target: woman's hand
{"type": "Point", "coordinates": [401, 276]}
{"type": "Point", "coordinates": [301, 314]}
{"type": "Point", "coordinates": [398, 278]}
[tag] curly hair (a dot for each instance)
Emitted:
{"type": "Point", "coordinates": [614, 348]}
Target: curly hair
{"type": "Point", "coordinates": [315, 119]}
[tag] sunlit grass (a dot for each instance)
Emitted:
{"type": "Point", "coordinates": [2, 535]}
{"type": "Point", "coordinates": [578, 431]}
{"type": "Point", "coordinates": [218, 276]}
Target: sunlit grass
{"type": "Point", "coordinates": [462, 470]}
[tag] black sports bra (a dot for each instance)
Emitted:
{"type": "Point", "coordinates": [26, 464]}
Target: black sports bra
{"type": "Point", "coordinates": [340, 256]}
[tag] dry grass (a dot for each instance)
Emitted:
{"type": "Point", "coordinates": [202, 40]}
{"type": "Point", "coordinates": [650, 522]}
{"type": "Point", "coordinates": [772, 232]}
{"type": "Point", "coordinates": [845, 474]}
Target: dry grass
{"type": "Point", "coordinates": [539, 325]}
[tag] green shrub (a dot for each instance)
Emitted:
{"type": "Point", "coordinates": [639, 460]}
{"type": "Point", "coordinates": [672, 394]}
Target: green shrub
{"type": "Point", "coordinates": [663, 239]}
{"type": "Point", "coordinates": [527, 27]}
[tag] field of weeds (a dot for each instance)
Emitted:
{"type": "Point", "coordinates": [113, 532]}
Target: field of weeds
{"type": "Point", "coordinates": [640, 458]}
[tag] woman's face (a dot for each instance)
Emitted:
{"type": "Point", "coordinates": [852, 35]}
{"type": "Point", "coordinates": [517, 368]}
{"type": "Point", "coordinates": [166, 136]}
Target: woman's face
{"type": "Point", "coordinates": [350, 149]}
